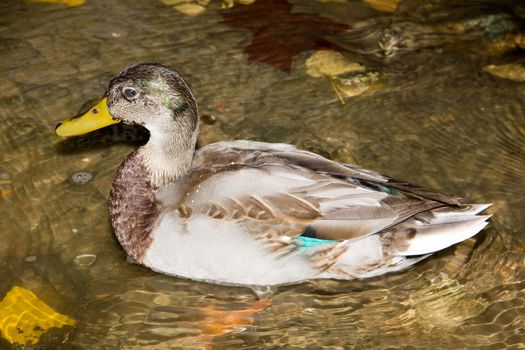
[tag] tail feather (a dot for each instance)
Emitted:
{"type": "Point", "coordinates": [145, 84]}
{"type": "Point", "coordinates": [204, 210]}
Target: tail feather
{"type": "Point", "coordinates": [436, 229]}
{"type": "Point", "coordinates": [411, 241]}
{"type": "Point", "coordinates": [460, 210]}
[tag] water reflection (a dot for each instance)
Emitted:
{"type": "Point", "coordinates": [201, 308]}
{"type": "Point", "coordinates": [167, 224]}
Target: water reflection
{"type": "Point", "coordinates": [439, 116]}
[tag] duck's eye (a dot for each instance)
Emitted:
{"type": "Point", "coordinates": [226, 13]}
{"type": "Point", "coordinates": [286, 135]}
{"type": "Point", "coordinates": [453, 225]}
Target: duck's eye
{"type": "Point", "coordinates": [129, 93]}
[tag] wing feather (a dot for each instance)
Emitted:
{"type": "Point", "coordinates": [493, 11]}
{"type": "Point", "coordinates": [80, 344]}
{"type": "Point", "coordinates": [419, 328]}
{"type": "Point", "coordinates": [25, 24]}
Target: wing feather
{"type": "Point", "coordinates": [291, 190]}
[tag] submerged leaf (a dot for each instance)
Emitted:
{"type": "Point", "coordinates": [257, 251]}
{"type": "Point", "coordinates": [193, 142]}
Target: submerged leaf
{"type": "Point", "coordinates": [356, 84]}
{"type": "Point", "coordinates": [218, 322]}
{"type": "Point", "coordinates": [511, 71]}
{"type": "Point", "coordinates": [330, 63]}
{"type": "Point", "coordinates": [347, 78]}
{"type": "Point", "coordinates": [62, 2]}
{"type": "Point", "coordinates": [383, 5]}
{"type": "Point", "coordinates": [188, 7]}
{"type": "Point", "coordinates": [278, 35]}
{"type": "Point", "coordinates": [24, 317]}
{"type": "Point", "coordinates": [229, 3]}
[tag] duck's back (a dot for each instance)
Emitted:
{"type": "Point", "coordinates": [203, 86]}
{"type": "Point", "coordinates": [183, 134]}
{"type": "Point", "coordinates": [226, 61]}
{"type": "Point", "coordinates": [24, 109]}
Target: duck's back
{"type": "Point", "coordinates": [263, 214]}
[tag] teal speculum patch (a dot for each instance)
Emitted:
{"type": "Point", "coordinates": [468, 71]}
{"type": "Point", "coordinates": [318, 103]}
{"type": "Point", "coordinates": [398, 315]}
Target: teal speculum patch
{"type": "Point", "coordinates": [388, 190]}
{"type": "Point", "coordinates": [307, 242]}
{"type": "Point", "coordinates": [381, 188]}
{"type": "Point", "coordinates": [309, 239]}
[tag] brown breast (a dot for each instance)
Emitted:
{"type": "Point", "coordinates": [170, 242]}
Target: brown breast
{"type": "Point", "coordinates": [132, 207]}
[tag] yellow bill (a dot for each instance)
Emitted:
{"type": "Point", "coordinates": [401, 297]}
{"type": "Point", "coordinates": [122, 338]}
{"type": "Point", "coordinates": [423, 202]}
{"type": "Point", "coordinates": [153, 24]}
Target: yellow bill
{"type": "Point", "coordinates": [96, 118]}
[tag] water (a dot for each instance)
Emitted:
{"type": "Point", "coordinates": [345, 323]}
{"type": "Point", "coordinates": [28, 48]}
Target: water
{"type": "Point", "coordinates": [432, 114]}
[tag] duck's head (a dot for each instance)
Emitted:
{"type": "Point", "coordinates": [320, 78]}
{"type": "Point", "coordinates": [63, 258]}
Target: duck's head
{"type": "Point", "coordinates": [156, 97]}
{"type": "Point", "coordinates": [148, 94]}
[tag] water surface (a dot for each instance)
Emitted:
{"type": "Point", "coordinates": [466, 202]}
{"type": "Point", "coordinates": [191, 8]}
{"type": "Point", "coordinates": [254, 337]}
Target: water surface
{"type": "Point", "coordinates": [428, 104]}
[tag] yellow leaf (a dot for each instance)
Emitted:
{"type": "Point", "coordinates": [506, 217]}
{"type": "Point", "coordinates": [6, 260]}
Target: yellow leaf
{"type": "Point", "coordinates": [63, 2]}
{"type": "Point", "coordinates": [383, 5]}
{"type": "Point", "coordinates": [229, 3]}
{"type": "Point", "coordinates": [512, 71]}
{"type": "Point", "coordinates": [24, 317]}
{"type": "Point", "coordinates": [190, 9]}
{"type": "Point", "coordinates": [330, 63]}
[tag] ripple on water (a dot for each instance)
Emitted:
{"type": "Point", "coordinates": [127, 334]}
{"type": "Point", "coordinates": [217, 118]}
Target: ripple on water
{"type": "Point", "coordinates": [438, 119]}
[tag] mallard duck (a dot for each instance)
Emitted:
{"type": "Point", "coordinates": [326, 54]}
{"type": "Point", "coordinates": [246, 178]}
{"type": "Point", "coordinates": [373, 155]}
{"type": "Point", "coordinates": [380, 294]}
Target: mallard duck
{"type": "Point", "coordinates": [254, 213]}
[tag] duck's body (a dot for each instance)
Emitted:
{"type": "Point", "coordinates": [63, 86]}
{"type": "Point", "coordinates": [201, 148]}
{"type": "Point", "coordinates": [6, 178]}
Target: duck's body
{"type": "Point", "coordinates": [253, 213]}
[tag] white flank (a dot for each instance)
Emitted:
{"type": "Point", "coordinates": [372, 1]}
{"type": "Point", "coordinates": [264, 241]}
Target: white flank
{"type": "Point", "coordinates": [221, 252]}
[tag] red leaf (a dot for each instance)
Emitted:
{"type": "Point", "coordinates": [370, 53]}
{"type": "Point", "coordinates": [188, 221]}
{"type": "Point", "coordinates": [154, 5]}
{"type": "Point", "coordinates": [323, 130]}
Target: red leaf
{"type": "Point", "coordinates": [278, 35]}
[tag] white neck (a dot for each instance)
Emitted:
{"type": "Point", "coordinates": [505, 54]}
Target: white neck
{"type": "Point", "coordinates": [169, 153]}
